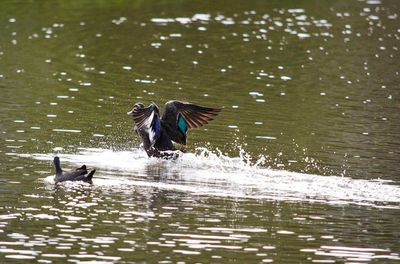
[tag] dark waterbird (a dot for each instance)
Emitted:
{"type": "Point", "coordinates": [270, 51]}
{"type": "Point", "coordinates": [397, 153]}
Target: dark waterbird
{"type": "Point", "coordinates": [79, 174]}
{"type": "Point", "coordinates": [158, 133]}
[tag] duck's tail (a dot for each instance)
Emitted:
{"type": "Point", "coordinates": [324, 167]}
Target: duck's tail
{"type": "Point", "coordinates": [57, 165]}
{"type": "Point", "coordinates": [90, 176]}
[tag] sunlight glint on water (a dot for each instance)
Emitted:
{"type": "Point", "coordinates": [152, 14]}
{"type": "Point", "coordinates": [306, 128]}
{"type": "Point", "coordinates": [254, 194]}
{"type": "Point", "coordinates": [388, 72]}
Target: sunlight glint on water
{"type": "Point", "coordinates": [309, 89]}
{"type": "Point", "coordinates": [209, 173]}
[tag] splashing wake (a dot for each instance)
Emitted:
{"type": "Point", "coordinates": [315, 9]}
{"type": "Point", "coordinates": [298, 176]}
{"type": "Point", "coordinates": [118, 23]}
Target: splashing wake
{"type": "Point", "coordinates": [209, 173]}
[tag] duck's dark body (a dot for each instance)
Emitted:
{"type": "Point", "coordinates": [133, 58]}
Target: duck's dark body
{"type": "Point", "coordinates": [160, 147]}
{"type": "Point", "coordinates": [80, 174]}
{"type": "Point", "coordinates": [158, 134]}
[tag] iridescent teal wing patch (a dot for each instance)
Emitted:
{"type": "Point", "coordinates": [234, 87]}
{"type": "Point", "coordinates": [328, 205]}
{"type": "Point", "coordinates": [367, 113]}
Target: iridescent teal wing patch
{"type": "Point", "coordinates": [182, 125]}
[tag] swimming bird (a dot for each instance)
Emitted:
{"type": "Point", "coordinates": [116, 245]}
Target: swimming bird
{"type": "Point", "coordinates": [79, 174]}
{"type": "Point", "coordinates": [159, 132]}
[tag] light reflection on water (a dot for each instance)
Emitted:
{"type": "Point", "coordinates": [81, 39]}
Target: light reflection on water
{"type": "Point", "coordinates": [81, 222]}
{"type": "Point", "coordinates": [139, 205]}
{"type": "Point", "coordinates": [208, 173]}
{"type": "Point", "coordinates": [309, 90]}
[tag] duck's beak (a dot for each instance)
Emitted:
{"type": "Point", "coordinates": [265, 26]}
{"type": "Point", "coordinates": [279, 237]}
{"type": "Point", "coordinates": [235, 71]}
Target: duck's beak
{"type": "Point", "coordinates": [130, 113]}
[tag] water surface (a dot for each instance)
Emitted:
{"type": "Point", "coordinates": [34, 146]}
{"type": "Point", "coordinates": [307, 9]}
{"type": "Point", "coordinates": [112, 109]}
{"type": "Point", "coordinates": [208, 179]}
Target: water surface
{"type": "Point", "coordinates": [301, 165]}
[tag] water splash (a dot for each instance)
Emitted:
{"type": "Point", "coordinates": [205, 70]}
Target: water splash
{"type": "Point", "coordinates": [212, 173]}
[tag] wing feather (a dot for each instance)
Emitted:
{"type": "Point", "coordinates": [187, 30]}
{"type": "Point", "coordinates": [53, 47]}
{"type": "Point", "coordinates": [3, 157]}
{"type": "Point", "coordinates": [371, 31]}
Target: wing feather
{"type": "Point", "coordinates": [195, 116]}
{"type": "Point", "coordinates": [142, 116]}
{"type": "Point", "coordinates": [147, 118]}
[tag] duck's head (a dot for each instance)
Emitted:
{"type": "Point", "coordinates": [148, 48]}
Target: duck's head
{"type": "Point", "coordinates": [135, 108]}
{"type": "Point", "coordinates": [56, 160]}
{"type": "Point", "coordinates": [57, 165]}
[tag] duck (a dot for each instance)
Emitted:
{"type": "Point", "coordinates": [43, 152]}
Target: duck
{"type": "Point", "coordinates": [79, 174]}
{"type": "Point", "coordinates": [158, 133]}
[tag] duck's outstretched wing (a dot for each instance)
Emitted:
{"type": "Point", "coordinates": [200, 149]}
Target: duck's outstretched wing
{"type": "Point", "coordinates": [147, 119]}
{"type": "Point", "coordinates": [180, 116]}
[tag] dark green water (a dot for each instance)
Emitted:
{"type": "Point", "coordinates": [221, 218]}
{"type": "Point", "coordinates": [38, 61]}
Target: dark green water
{"type": "Point", "coordinates": [301, 165]}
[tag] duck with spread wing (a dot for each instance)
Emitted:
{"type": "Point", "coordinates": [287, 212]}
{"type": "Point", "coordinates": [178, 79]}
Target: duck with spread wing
{"type": "Point", "coordinates": [159, 132]}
